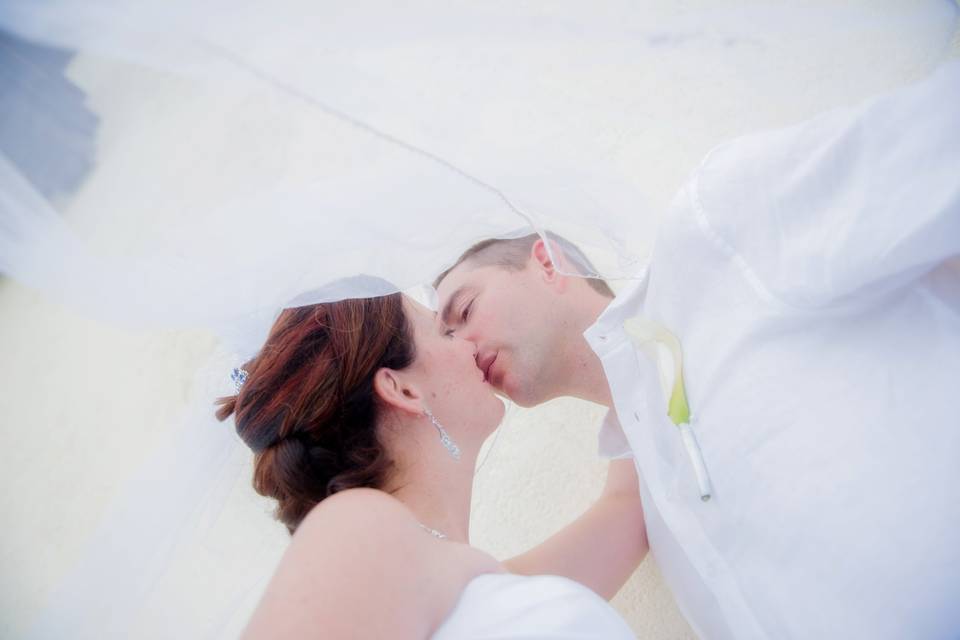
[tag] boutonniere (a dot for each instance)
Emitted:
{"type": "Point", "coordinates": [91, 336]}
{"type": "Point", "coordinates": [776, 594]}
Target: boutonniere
{"type": "Point", "coordinates": [644, 332]}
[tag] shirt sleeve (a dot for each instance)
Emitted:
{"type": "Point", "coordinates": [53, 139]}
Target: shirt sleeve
{"type": "Point", "coordinates": [613, 443]}
{"type": "Point", "coordinates": [854, 202]}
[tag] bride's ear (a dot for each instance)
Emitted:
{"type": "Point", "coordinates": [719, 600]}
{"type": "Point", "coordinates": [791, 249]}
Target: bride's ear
{"type": "Point", "coordinates": [395, 390]}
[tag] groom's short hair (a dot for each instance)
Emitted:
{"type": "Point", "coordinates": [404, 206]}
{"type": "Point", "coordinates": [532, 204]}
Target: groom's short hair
{"type": "Point", "coordinates": [512, 254]}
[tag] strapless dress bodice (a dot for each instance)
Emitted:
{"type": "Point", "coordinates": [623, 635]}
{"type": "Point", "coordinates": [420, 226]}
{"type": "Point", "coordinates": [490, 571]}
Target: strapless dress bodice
{"type": "Point", "coordinates": [505, 605]}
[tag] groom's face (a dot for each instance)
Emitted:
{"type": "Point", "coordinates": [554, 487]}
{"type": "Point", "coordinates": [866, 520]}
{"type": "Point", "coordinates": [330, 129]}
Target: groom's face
{"type": "Point", "coordinates": [511, 317]}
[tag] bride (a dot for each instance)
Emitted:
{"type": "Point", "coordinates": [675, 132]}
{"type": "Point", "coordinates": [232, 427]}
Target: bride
{"type": "Point", "coordinates": [366, 420]}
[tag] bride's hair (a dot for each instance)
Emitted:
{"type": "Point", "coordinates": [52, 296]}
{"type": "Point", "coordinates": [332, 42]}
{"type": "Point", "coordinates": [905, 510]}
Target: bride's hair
{"type": "Point", "coordinates": [308, 409]}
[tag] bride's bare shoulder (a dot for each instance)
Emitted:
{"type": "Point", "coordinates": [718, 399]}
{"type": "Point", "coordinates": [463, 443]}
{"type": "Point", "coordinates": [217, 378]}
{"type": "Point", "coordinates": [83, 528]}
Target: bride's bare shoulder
{"type": "Point", "coordinates": [343, 570]}
{"type": "Point", "coordinates": [367, 518]}
{"type": "Point", "coordinates": [348, 560]}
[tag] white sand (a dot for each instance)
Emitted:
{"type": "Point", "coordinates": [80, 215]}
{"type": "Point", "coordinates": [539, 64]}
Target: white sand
{"type": "Point", "coordinates": [83, 404]}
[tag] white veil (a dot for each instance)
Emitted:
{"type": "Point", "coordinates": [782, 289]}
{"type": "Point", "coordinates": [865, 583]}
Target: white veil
{"type": "Point", "coordinates": [275, 151]}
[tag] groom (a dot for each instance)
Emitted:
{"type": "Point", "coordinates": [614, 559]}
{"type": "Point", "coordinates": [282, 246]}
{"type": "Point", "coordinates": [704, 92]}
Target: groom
{"type": "Point", "coordinates": [810, 277]}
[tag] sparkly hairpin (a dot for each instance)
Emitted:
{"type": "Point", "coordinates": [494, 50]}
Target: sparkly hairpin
{"type": "Point", "coordinates": [239, 376]}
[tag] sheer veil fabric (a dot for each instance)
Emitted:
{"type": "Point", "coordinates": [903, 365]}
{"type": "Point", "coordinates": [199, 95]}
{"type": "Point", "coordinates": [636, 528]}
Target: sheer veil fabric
{"type": "Point", "coordinates": [182, 166]}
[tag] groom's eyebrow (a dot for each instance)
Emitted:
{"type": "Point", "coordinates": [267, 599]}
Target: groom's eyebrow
{"type": "Point", "coordinates": [451, 304]}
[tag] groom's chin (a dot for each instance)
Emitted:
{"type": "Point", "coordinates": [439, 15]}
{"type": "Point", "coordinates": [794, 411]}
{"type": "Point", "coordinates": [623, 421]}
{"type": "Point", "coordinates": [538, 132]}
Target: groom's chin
{"type": "Point", "coordinates": [521, 395]}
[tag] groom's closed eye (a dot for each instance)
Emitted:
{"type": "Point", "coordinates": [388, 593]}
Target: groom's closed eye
{"type": "Point", "coordinates": [463, 315]}
{"type": "Point", "coordinates": [450, 315]}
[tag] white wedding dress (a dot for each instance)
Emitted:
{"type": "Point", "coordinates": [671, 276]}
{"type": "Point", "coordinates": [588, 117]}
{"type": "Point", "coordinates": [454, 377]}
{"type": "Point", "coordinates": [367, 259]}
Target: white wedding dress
{"type": "Point", "coordinates": [505, 605]}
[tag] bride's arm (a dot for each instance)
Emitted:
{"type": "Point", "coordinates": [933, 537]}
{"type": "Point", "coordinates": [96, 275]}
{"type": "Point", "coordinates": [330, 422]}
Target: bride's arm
{"type": "Point", "coordinates": [602, 547]}
{"type": "Point", "coordinates": [347, 574]}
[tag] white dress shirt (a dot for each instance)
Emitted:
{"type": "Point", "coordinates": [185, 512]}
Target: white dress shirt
{"type": "Point", "coordinates": [811, 276]}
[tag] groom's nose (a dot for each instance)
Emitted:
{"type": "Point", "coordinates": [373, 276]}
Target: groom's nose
{"type": "Point", "coordinates": [474, 349]}
{"type": "Point", "coordinates": [468, 332]}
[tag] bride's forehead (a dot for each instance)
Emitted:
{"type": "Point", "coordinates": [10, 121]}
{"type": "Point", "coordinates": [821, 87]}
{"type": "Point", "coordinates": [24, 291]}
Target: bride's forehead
{"type": "Point", "coordinates": [416, 312]}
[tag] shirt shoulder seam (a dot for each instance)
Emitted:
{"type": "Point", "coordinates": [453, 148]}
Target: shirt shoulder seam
{"type": "Point", "coordinates": [727, 248]}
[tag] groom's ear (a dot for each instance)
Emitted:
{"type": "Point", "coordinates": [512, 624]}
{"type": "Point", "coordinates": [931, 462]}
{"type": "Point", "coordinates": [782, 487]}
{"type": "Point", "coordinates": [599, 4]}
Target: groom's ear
{"type": "Point", "coordinates": [396, 391]}
{"type": "Point", "coordinates": [545, 263]}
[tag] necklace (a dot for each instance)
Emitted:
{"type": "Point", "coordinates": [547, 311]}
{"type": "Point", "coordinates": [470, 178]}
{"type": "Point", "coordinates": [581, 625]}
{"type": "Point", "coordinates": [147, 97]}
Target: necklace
{"type": "Point", "coordinates": [436, 534]}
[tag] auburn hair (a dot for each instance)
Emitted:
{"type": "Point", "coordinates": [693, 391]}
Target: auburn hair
{"type": "Point", "coordinates": [308, 409]}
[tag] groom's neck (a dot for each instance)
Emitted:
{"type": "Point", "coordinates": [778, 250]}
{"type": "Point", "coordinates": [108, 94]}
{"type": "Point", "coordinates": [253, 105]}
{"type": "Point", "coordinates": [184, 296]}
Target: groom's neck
{"type": "Point", "coordinates": [587, 379]}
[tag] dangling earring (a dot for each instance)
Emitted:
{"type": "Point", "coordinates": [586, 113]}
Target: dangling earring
{"type": "Point", "coordinates": [449, 444]}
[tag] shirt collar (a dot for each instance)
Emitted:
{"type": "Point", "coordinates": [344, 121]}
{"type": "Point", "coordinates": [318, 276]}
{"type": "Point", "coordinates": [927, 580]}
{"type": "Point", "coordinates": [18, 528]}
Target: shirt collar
{"type": "Point", "coordinates": [626, 304]}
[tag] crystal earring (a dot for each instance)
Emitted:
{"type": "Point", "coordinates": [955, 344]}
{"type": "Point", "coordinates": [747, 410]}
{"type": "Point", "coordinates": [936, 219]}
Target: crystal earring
{"type": "Point", "coordinates": [449, 444]}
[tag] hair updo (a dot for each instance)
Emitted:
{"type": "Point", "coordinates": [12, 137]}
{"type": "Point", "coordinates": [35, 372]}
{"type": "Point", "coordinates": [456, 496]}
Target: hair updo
{"type": "Point", "coordinates": [308, 408]}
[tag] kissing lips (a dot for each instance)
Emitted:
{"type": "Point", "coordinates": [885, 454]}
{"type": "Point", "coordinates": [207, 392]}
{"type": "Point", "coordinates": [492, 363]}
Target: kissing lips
{"type": "Point", "coordinates": [485, 363]}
